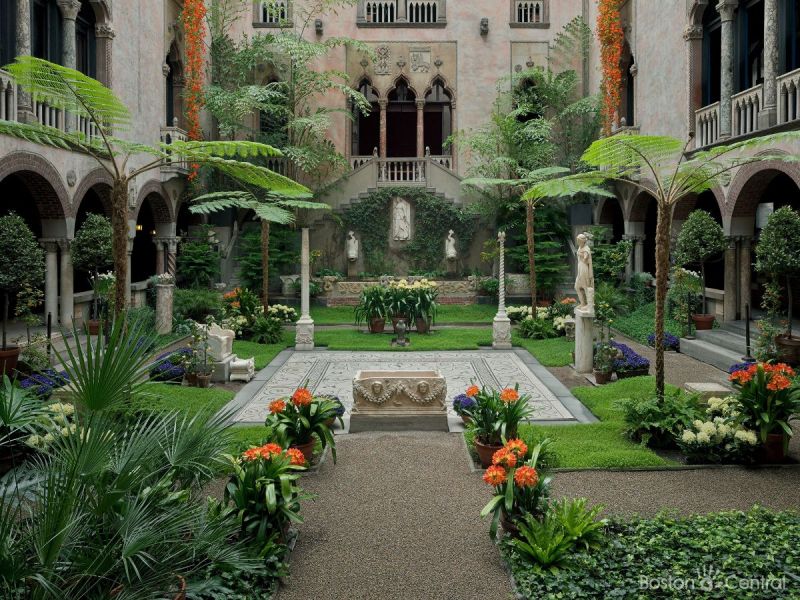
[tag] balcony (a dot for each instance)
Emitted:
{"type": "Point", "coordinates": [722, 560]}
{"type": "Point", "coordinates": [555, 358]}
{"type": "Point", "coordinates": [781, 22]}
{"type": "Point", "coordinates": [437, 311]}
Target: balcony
{"type": "Point", "coordinates": [8, 97]}
{"type": "Point", "coordinates": [745, 108]}
{"type": "Point", "coordinates": [401, 13]}
{"type": "Point", "coordinates": [170, 166]}
{"type": "Point", "coordinates": [388, 172]}
{"type": "Point", "coordinates": [789, 97]}
{"type": "Point", "coordinates": [707, 125]}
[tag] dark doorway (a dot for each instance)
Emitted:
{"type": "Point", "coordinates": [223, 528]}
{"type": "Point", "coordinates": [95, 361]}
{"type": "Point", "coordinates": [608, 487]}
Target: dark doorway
{"type": "Point", "coordinates": [367, 128]}
{"type": "Point", "coordinates": [143, 259]}
{"type": "Point", "coordinates": [437, 118]}
{"type": "Point", "coordinates": [611, 217]}
{"type": "Point", "coordinates": [650, 237]}
{"type": "Point", "coordinates": [401, 122]}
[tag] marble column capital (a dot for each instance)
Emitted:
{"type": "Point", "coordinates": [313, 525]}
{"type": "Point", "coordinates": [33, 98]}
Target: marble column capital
{"type": "Point", "coordinates": [69, 9]}
{"type": "Point", "coordinates": [420, 103]}
{"type": "Point", "coordinates": [383, 103]}
{"type": "Point", "coordinates": [63, 244]}
{"type": "Point", "coordinates": [727, 9]}
{"type": "Point", "coordinates": [104, 30]}
{"type": "Point", "coordinates": [49, 244]}
{"type": "Point", "coordinates": [693, 32]}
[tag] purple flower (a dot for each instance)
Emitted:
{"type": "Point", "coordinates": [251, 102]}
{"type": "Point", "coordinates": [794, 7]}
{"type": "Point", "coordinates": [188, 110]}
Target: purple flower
{"type": "Point", "coordinates": [671, 342]}
{"type": "Point", "coordinates": [463, 403]}
{"type": "Point", "coordinates": [630, 361]}
{"type": "Point", "coordinates": [742, 366]}
{"type": "Point", "coordinates": [42, 384]}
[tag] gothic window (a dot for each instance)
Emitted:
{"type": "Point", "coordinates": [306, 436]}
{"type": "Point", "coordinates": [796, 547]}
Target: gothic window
{"type": "Point", "coordinates": [381, 11]}
{"type": "Point", "coordinates": [401, 13]}
{"type": "Point", "coordinates": [750, 46]}
{"type": "Point", "coordinates": [438, 119]}
{"type": "Point", "coordinates": [422, 11]}
{"type": "Point", "coordinates": [712, 55]}
{"type": "Point", "coordinates": [401, 121]}
{"type": "Point", "coordinates": [272, 13]}
{"type": "Point", "coordinates": [790, 49]}
{"type": "Point", "coordinates": [85, 41]}
{"type": "Point", "coordinates": [8, 31]}
{"type": "Point", "coordinates": [529, 13]}
{"type": "Point", "coordinates": [46, 30]}
{"type": "Point", "coordinates": [366, 128]}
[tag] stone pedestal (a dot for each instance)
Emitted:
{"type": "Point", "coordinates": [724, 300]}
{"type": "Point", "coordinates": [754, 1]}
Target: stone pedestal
{"type": "Point", "coordinates": [584, 340]}
{"type": "Point", "coordinates": [242, 369]}
{"type": "Point", "coordinates": [708, 390]}
{"type": "Point", "coordinates": [164, 294]}
{"type": "Point", "coordinates": [569, 328]}
{"type": "Point", "coordinates": [501, 333]}
{"type": "Point", "coordinates": [352, 269]}
{"type": "Point", "coordinates": [399, 401]}
{"type": "Point", "coordinates": [304, 332]}
{"type": "Point", "coordinates": [222, 369]}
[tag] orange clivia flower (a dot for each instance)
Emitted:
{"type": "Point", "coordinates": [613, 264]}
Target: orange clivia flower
{"type": "Point", "coordinates": [778, 382]}
{"type": "Point", "coordinates": [568, 300]}
{"type": "Point", "coordinates": [277, 406]}
{"type": "Point", "coordinates": [302, 397]}
{"type": "Point", "coordinates": [741, 377]}
{"type": "Point", "coordinates": [251, 454]}
{"type": "Point", "coordinates": [504, 457]}
{"type": "Point", "coordinates": [526, 477]}
{"type": "Point", "coordinates": [296, 457]}
{"type": "Point", "coordinates": [509, 395]}
{"type": "Point", "coordinates": [270, 450]}
{"type": "Point", "coordinates": [473, 391]}
{"type": "Point", "coordinates": [518, 447]}
{"type": "Point", "coordinates": [495, 475]}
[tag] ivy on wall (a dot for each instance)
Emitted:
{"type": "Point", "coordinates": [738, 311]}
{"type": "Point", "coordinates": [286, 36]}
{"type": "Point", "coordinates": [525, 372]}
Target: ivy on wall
{"type": "Point", "coordinates": [433, 218]}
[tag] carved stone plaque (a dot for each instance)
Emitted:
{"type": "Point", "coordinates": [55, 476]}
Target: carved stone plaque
{"type": "Point", "coordinates": [420, 60]}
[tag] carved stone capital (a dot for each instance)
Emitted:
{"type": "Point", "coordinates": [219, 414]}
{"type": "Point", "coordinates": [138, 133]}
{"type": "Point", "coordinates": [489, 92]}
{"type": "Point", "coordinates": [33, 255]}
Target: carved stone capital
{"type": "Point", "coordinates": [104, 30]}
{"type": "Point", "coordinates": [693, 32]}
{"type": "Point", "coordinates": [727, 9]}
{"type": "Point", "coordinates": [383, 103]}
{"type": "Point", "coordinates": [69, 9]}
{"type": "Point", "coordinates": [420, 103]}
{"type": "Point", "coordinates": [165, 69]}
{"type": "Point", "coordinates": [63, 244]}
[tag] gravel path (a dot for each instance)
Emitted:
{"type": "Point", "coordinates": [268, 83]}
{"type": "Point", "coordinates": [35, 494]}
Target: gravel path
{"type": "Point", "coordinates": [397, 517]}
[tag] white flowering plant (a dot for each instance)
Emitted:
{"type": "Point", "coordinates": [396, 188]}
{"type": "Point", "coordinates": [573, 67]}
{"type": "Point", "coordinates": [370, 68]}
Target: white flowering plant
{"type": "Point", "coordinates": [57, 420]}
{"type": "Point", "coordinates": [720, 438]}
{"type": "Point", "coordinates": [284, 313]}
{"type": "Point", "coordinates": [165, 279]}
{"type": "Point", "coordinates": [518, 313]}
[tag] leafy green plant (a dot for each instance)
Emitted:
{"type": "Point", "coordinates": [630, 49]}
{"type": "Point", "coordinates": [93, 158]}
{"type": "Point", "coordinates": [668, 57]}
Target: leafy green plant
{"type": "Point", "coordinates": [609, 259]}
{"type": "Point", "coordinates": [282, 255]}
{"type": "Point", "coordinates": [769, 398]}
{"type": "Point", "coordinates": [537, 329]}
{"type": "Point", "coordinates": [642, 290]}
{"type": "Point", "coordinates": [658, 423]}
{"type": "Point", "coordinates": [684, 296]}
{"type": "Point", "coordinates": [198, 259]}
{"type": "Point", "coordinates": [196, 304]}
{"type": "Point", "coordinates": [700, 239]}
{"type": "Point", "coordinates": [295, 421]}
{"type": "Point", "coordinates": [490, 287]}
{"type": "Point", "coordinates": [372, 304]}
{"type": "Point", "coordinates": [21, 261]}
{"type": "Point", "coordinates": [496, 415]}
{"type": "Point", "coordinates": [91, 250]}
{"type": "Point", "coordinates": [580, 522]}
{"type": "Point", "coordinates": [266, 330]}
{"type": "Point", "coordinates": [20, 411]}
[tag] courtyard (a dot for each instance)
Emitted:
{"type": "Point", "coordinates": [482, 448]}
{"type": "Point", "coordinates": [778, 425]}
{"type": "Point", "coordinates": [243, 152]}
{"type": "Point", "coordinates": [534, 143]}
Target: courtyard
{"type": "Point", "coordinates": [399, 299]}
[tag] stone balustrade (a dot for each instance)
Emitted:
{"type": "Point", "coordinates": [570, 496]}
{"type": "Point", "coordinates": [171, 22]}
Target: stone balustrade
{"type": "Point", "coordinates": [445, 161]}
{"type": "Point", "coordinates": [707, 125]}
{"type": "Point", "coordinates": [393, 12]}
{"type": "Point", "coordinates": [169, 135]}
{"type": "Point", "coordinates": [8, 97]}
{"type": "Point", "coordinates": [401, 170]}
{"type": "Point", "coordinates": [356, 162]}
{"type": "Point", "coordinates": [278, 164]}
{"type": "Point", "coordinates": [49, 116]}
{"type": "Point", "coordinates": [745, 107]}
{"type": "Point", "coordinates": [789, 97]}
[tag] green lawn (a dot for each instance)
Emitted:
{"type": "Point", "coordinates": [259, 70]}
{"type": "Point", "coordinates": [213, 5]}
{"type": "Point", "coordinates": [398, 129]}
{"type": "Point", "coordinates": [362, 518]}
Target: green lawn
{"type": "Point", "coordinates": [443, 339]}
{"type": "Point", "coordinates": [172, 396]}
{"type": "Point", "coordinates": [556, 352]}
{"type": "Point", "coordinates": [600, 445]}
{"type": "Point", "coordinates": [639, 323]}
{"type": "Point", "coordinates": [263, 353]}
{"type": "Point", "coordinates": [447, 314]}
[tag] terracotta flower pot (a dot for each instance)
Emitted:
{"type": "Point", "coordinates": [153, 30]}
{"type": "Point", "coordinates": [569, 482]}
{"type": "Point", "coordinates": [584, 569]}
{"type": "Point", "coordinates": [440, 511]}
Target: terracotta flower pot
{"type": "Point", "coordinates": [8, 360]}
{"type": "Point", "coordinates": [467, 420]}
{"type": "Point", "coordinates": [93, 326]}
{"type": "Point", "coordinates": [486, 451]}
{"type": "Point", "coordinates": [788, 349]}
{"type": "Point", "coordinates": [423, 325]}
{"type": "Point", "coordinates": [307, 449]}
{"type": "Point", "coordinates": [602, 377]}
{"type": "Point", "coordinates": [377, 325]}
{"type": "Point", "coordinates": [203, 381]}
{"type": "Point", "coordinates": [703, 322]}
{"type": "Point", "coordinates": [191, 379]}
{"type": "Point", "coordinates": [772, 451]}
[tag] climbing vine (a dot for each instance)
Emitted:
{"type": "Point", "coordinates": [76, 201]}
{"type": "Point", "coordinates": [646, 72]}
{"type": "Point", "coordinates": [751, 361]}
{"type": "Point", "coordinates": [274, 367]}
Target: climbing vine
{"type": "Point", "coordinates": [612, 37]}
{"type": "Point", "coordinates": [193, 17]}
{"type": "Point", "coordinates": [433, 217]}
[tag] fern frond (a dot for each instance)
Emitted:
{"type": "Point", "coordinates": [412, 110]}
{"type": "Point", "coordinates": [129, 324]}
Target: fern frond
{"type": "Point", "coordinates": [571, 185]}
{"type": "Point", "coordinates": [196, 151]}
{"type": "Point", "coordinates": [254, 175]}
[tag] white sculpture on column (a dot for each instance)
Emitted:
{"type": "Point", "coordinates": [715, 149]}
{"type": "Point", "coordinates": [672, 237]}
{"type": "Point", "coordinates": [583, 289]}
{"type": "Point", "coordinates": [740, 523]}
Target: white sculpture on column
{"type": "Point", "coordinates": [352, 247]}
{"type": "Point", "coordinates": [450, 251]}
{"type": "Point", "coordinates": [501, 326]}
{"type": "Point", "coordinates": [304, 331]}
{"type": "Point", "coordinates": [584, 312]}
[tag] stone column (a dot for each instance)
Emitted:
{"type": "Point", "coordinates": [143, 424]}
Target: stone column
{"type": "Point", "coordinates": [128, 275]}
{"type": "Point", "coordinates": [769, 112]}
{"type": "Point", "coordinates": [745, 273]}
{"type": "Point", "coordinates": [304, 331]}
{"type": "Point", "coordinates": [67, 287]}
{"type": "Point", "coordinates": [104, 33]}
{"type": "Point", "coordinates": [420, 128]}
{"type": "Point", "coordinates": [164, 294]}
{"type": "Point", "coordinates": [693, 35]}
{"type": "Point", "coordinates": [383, 103]}
{"type": "Point", "coordinates": [501, 326]}
{"type": "Point", "coordinates": [729, 303]}
{"type": "Point", "coordinates": [24, 102]}
{"type": "Point", "coordinates": [51, 280]}
{"type": "Point", "coordinates": [726, 9]}
{"type": "Point", "coordinates": [172, 255]}
{"type": "Point", "coordinates": [69, 12]}
{"type": "Point", "coordinates": [638, 251]}
{"type": "Point", "coordinates": [159, 242]}
{"type": "Point", "coordinates": [629, 263]}
{"type": "Point", "coordinates": [453, 127]}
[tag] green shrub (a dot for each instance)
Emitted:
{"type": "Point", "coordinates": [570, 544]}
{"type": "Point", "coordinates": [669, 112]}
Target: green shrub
{"type": "Point", "coordinates": [282, 254]}
{"type": "Point", "coordinates": [143, 316]}
{"type": "Point", "coordinates": [491, 287]}
{"type": "Point", "coordinates": [267, 330]}
{"type": "Point", "coordinates": [198, 259]}
{"type": "Point", "coordinates": [537, 329]}
{"type": "Point", "coordinates": [640, 323]}
{"type": "Point", "coordinates": [196, 304]}
{"type": "Point", "coordinates": [657, 422]}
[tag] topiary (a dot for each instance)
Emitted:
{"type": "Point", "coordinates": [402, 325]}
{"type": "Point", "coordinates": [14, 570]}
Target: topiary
{"type": "Point", "coordinates": [700, 239]}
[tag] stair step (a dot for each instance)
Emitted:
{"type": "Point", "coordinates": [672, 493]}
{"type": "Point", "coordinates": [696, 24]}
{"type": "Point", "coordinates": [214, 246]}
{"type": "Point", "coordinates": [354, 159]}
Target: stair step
{"type": "Point", "coordinates": [740, 328]}
{"type": "Point", "coordinates": [728, 340]}
{"type": "Point", "coordinates": [709, 353]}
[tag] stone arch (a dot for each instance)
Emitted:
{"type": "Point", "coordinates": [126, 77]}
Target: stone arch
{"type": "Point", "coordinates": [697, 9]}
{"type": "Point", "coordinates": [609, 212]}
{"type": "Point", "coordinates": [752, 180]}
{"type": "Point", "coordinates": [98, 177]}
{"type": "Point", "coordinates": [687, 204]}
{"type": "Point", "coordinates": [154, 191]}
{"type": "Point", "coordinates": [639, 203]}
{"type": "Point", "coordinates": [447, 88]}
{"type": "Point", "coordinates": [407, 81]}
{"type": "Point", "coordinates": [43, 181]}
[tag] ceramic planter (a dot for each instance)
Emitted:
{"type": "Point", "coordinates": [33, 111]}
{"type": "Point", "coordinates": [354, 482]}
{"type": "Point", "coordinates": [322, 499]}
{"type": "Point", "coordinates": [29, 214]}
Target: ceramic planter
{"type": "Point", "coordinates": [772, 451]}
{"type": "Point", "coordinates": [203, 381]}
{"type": "Point", "coordinates": [788, 349]}
{"type": "Point", "coordinates": [93, 326]}
{"type": "Point", "coordinates": [8, 360]}
{"type": "Point", "coordinates": [486, 451]}
{"type": "Point", "coordinates": [191, 379]}
{"type": "Point", "coordinates": [703, 322]}
{"type": "Point", "coordinates": [307, 449]}
{"type": "Point", "coordinates": [423, 325]}
{"type": "Point", "coordinates": [377, 325]}
{"type": "Point", "coordinates": [602, 377]}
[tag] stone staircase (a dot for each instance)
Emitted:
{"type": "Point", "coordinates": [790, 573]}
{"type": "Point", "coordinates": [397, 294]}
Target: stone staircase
{"type": "Point", "coordinates": [721, 347]}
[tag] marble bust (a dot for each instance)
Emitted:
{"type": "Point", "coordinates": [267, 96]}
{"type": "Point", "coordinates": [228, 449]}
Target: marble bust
{"type": "Point", "coordinates": [584, 282]}
{"type": "Point", "coordinates": [352, 246]}
{"type": "Point", "coordinates": [450, 251]}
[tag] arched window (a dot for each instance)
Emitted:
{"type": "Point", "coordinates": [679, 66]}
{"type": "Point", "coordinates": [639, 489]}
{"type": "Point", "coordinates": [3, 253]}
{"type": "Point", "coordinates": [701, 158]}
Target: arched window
{"type": "Point", "coordinates": [366, 128]}
{"type": "Point", "coordinates": [438, 118]}
{"type": "Point", "coordinates": [8, 31]}
{"type": "Point", "coordinates": [527, 100]}
{"type": "Point", "coordinates": [85, 41]}
{"type": "Point", "coordinates": [46, 30]}
{"type": "Point", "coordinates": [712, 55]}
{"type": "Point", "coordinates": [380, 11]}
{"type": "Point", "coordinates": [790, 48]}
{"type": "Point", "coordinates": [401, 122]}
{"type": "Point", "coordinates": [174, 87]}
{"type": "Point", "coordinates": [274, 12]}
{"type": "Point", "coordinates": [750, 47]}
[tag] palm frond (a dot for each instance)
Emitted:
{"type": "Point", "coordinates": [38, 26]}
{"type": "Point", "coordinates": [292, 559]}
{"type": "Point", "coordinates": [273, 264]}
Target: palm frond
{"type": "Point", "coordinates": [304, 204]}
{"type": "Point", "coordinates": [579, 183]}
{"type": "Point", "coordinates": [251, 174]}
{"type": "Point", "coordinates": [197, 150]}
{"type": "Point", "coordinates": [71, 90]}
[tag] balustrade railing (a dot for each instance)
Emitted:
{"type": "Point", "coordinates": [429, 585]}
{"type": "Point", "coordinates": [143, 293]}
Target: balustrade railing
{"type": "Point", "coordinates": [49, 116]}
{"type": "Point", "coordinates": [445, 161]}
{"type": "Point", "coordinates": [707, 125]}
{"type": "Point", "coordinates": [401, 170]}
{"type": "Point", "coordinates": [279, 165]}
{"type": "Point", "coordinates": [411, 12]}
{"type": "Point", "coordinates": [356, 162]}
{"type": "Point", "coordinates": [745, 107]}
{"type": "Point", "coordinates": [789, 97]}
{"type": "Point", "coordinates": [8, 97]}
{"type": "Point", "coordinates": [169, 135]}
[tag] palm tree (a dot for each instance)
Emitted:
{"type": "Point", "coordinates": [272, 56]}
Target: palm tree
{"type": "Point", "coordinates": [661, 167]}
{"type": "Point", "coordinates": [124, 160]}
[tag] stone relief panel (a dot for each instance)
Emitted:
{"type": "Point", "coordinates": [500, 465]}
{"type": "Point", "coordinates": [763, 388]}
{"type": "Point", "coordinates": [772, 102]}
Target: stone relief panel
{"type": "Point", "coordinates": [526, 55]}
{"type": "Point", "coordinates": [419, 63]}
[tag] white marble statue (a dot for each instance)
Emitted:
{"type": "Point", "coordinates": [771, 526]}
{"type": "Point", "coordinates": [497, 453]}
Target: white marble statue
{"type": "Point", "coordinates": [584, 282]}
{"type": "Point", "coordinates": [450, 251]}
{"type": "Point", "coordinates": [220, 342]}
{"type": "Point", "coordinates": [352, 246]}
{"type": "Point", "coordinates": [401, 223]}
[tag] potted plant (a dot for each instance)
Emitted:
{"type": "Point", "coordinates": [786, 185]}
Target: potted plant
{"type": "Point", "coordinates": [21, 264]}
{"type": "Point", "coordinates": [103, 289]}
{"type": "Point", "coordinates": [338, 413]}
{"type": "Point", "coordinates": [495, 417]}
{"type": "Point", "coordinates": [91, 252]}
{"type": "Point", "coordinates": [776, 257]}
{"type": "Point", "coordinates": [604, 356]}
{"type": "Point", "coordinates": [519, 487]}
{"type": "Point", "coordinates": [299, 419]}
{"type": "Point", "coordinates": [700, 239]}
{"type": "Point", "coordinates": [684, 292]}
{"type": "Point", "coordinates": [397, 302]}
{"type": "Point", "coordinates": [422, 304]}
{"type": "Point", "coordinates": [462, 404]}
{"type": "Point", "coordinates": [372, 308]}
{"type": "Point", "coordinates": [630, 363]}
{"type": "Point", "coordinates": [770, 400]}
{"type": "Point", "coordinates": [198, 368]}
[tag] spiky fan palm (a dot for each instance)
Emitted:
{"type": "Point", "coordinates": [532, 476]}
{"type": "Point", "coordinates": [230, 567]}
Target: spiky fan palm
{"type": "Point", "coordinates": [79, 95]}
{"type": "Point", "coordinates": [662, 167]}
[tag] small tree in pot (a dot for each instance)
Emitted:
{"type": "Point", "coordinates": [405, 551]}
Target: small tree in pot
{"type": "Point", "coordinates": [91, 252]}
{"type": "Point", "coordinates": [700, 239]}
{"type": "Point", "coordinates": [21, 262]}
{"type": "Point", "coordinates": [777, 256]}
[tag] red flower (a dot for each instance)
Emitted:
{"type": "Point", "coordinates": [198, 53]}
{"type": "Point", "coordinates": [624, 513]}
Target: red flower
{"type": "Point", "coordinates": [495, 475]}
{"type": "Point", "coordinates": [509, 395]}
{"type": "Point", "coordinates": [277, 406]}
{"type": "Point", "coordinates": [518, 447]}
{"type": "Point", "coordinates": [472, 391]}
{"type": "Point", "coordinates": [611, 37]}
{"type": "Point", "coordinates": [778, 382]}
{"type": "Point", "coordinates": [270, 450]}
{"type": "Point", "coordinates": [296, 456]}
{"type": "Point", "coordinates": [302, 397]}
{"type": "Point", "coordinates": [526, 477]}
{"type": "Point", "coordinates": [504, 457]}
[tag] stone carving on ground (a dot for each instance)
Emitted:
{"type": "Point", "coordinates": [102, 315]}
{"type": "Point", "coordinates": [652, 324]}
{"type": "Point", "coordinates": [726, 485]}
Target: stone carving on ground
{"type": "Point", "coordinates": [243, 369]}
{"type": "Point", "coordinates": [401, 222]}
{"type": "Point", "coordinates": [380, 391]}
{"type": "Point", "coordinates": [584, 282]}
{"type": "Point", "coordinates": [220, 342]}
